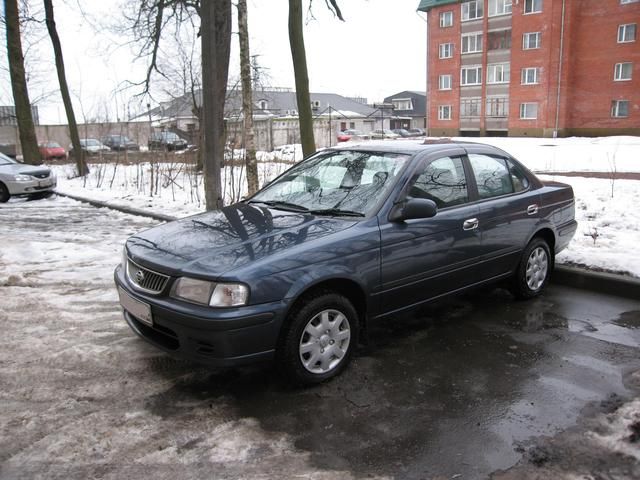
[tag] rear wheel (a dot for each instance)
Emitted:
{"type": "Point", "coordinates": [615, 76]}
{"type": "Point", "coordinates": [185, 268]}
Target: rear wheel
{"type": "Point", "coordinates": [4, 193]}
{"type": "Point", "coordinates": [319, 339]}
{"type": "Point", "coordinates": [534, 269]}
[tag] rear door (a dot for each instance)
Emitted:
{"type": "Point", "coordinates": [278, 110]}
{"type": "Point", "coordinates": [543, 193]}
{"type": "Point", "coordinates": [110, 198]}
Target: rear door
{"type": "Point", "coordinates": [424, 258]}
{"type": "Point", "coordinates": [508, 209]}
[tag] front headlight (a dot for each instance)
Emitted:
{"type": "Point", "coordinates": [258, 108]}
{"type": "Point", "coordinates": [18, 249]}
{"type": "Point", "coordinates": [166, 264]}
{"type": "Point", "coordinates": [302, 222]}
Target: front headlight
{"type": "Point", "coordinates": [23, 178]}
{"type": "Point", "coordinates": [192, 290]}
{"type": "Point", "coordinates": [229, 295]}
{"type": "Point", "coordinates": [212, 294]}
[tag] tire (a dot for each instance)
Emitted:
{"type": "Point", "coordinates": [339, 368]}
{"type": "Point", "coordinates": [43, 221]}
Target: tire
{"type": "Point", "coordinates": [4, 193]}
{"type": "Point", "coordinates": [533, 271]}
{"type": "Point", "coordinates": [308, 355]}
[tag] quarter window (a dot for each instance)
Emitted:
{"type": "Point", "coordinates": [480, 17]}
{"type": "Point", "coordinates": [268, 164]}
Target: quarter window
{"type": "Point", "coordinates": [471, 75]}
{"type": "Point", "coordinates": [623, 71]}
{"type": "Point", "coordinates": [498, 73]}
{"type": "Point", "coordinates": [492, 175]}
{"type": "Point", "coordinates": [446, 19]}
{"type": "Point", "coordinates": [518, 177]}
{"type": "Point", "coordinates": [499, 7]}
{"type": "Point", "coordinates": [531, 40]}
{"type": "Point", "coordinates": [442, 181]}
{"type": "Point", "coordinates": [444, 82]}
{"type": "Point", "coordinates": [472, 10]}
{"type": "Point", "coordinates": [446, 50]}
{"type": "Point", "coordinates": [532, 6]}
{"type": "Point", "coordinates": [627, 33]}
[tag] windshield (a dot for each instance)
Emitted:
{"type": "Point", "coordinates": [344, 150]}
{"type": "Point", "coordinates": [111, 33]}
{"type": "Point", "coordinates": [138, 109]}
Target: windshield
{"type": "Point", "coordinates": [170, 136]}
{"type": "Point", "coordinates": [4, 160]}
{"type": "Point", "coordinates": [349, 181]}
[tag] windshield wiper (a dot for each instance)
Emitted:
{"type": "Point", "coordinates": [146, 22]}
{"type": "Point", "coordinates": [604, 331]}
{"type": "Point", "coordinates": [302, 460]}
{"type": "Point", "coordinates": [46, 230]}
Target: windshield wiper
{"type": "Point", "coordinates": [338, 212]}
{"type": "Point", "coordinates": [282, 205]}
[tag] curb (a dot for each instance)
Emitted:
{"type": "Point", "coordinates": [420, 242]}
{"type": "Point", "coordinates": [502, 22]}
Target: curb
{"type": "Point", "coordinates": [120, 208]}
{"type": "Point", "coordinates": [600, 282]}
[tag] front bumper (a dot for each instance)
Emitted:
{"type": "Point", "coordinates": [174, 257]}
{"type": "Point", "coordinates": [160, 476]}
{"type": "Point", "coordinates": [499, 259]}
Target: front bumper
{"type": "Point", "coordinates": [217, 337]}
{"type": "Point", "coordinates": [31, 187]}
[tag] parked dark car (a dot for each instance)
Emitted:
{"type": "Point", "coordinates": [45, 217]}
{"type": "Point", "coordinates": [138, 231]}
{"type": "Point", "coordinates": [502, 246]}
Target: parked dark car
{"type": "Point", "coordinates": [417, 132]}
{"type": "Point", "coordinates": [119, 143]}
{"type": "Point", "coordinates": [402, 132]}
{"type": "Point", "coordinates": [346, 237]}
{"type": "Point", "coordinates": [166, 141]}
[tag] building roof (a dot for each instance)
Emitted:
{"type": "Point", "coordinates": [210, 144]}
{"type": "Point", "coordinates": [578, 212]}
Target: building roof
{"type": "Point", "coordinates": [426, 5]}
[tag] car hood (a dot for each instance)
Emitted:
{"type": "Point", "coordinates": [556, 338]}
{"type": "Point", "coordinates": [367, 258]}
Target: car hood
{"type": "Point", "coordinates": [213, 243]}
{"type": "Point", "coordinates": [19, 168]}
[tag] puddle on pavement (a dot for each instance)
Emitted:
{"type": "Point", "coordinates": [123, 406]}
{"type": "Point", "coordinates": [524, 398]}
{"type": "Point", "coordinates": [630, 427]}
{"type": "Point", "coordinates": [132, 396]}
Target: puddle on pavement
{"type": "Point", "coordinates": [629, 319]}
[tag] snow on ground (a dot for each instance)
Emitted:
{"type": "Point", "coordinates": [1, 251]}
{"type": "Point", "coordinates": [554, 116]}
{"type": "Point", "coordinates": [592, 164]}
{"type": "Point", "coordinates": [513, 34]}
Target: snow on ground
{"type": "Point", "coordinates": [178, 190]}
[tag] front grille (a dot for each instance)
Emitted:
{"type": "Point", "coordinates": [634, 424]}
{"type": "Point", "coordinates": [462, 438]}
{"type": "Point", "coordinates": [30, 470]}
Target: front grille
{"type": "Point", "coordinates": [40, 175]}
{"type": "Point", "coordinates": [146, 279]}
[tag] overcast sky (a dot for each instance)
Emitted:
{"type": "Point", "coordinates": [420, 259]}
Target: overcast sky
{"type": "Point", "coordinates": [380, 50]}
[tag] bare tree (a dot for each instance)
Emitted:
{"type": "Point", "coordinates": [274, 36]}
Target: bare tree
{"type": "Point", "coordinates": [299, 57]}
{"type": "Point", "coordinates": [64, 89]}
{"type": "Point", "coordinates": [247, 99]}
{"type": "Point", "coordinates": [28, 140]}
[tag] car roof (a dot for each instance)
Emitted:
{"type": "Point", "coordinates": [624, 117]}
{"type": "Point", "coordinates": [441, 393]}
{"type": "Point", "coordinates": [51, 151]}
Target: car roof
{"type": "Point", "coordinates": [411, 146]}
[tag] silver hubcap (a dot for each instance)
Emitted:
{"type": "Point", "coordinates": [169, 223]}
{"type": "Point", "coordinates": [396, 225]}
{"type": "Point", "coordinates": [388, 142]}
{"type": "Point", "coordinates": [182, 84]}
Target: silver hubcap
{"type": "Point", "coordinates": [537, 267]}
{"type": "Point", "coordinates": [325, 341]}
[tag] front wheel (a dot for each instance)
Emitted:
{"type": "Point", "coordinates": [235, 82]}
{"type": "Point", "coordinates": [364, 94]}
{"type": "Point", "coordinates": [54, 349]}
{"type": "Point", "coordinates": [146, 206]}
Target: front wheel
{"type": "Point", "coordinates": [319, 339]}
{"type": "Point", "coordinates": [4, 193]}
{"type": "Point", "coordinates": [534, 270]}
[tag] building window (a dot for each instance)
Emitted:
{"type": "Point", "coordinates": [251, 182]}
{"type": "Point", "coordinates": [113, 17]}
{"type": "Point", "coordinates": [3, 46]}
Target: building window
{"type": "Point", "coordinates": [530, 76]}
{"type": "Point", "coordinates": [498, 73]}
{"type": "Point", "coordinates": [262, 104]}
{"type": "Point", "coordinates": [622, 2]}
{"type": "Point", "coordinates": [470, 107]}
{"type": "Point", "coordinates": [444, 112]}
{"type": "Point", "coordinates": [446, 50]}
{"type": "Point", "coordinates": [623, 71]}
{"type": "Point", "coordinates": [471, 75]}
{"type": "Point", "coordinates": [531, 40]}
{"type": "Point", "coordinates": [444, 82]}
{"type": "Point", "coordinates": [472, 10]}
{"type": "Point", "coordinates": [627, 33]}
{"type": "Point", "coordinates": [499, 40]}
{"type": "Point", "coordinates": [446, 19]}
{"type": "Point", "coordinates": [532, 6]}
{"type": "Point", "coordinates": [499, 7]}
{"type": "Point", "coordinates": [497, 107]}
{"type": "Point", "coordinates": [528, 111]}
{"type": "Point", "coordinates": [402, 104]}
{"type": "Point", "coordinates": [620, 108]}
{"type": "Point", "coordinates": [472, 43]}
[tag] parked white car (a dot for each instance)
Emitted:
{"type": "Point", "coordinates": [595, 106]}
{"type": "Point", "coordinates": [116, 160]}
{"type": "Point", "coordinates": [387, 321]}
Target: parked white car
{"type": "Point", "coordinates": [380, 134]}
{"type": "Point", "coordinates": [19, 180]}
{"type": "Point", "coordinates": [91, 146]}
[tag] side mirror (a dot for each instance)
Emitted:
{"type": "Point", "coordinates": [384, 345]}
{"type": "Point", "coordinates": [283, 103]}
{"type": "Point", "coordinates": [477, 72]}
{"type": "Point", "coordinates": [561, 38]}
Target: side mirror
{"type": "Point", "coordinates": [413, 208]}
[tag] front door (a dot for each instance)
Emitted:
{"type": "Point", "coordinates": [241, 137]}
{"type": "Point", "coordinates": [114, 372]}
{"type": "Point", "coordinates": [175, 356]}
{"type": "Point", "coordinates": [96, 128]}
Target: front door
{"type": "Point", "coordinates": [425, 258]}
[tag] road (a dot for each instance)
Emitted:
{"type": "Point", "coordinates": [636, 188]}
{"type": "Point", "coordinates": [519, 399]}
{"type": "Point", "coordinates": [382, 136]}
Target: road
{"type": "Point", "coordinates": [465, 389]}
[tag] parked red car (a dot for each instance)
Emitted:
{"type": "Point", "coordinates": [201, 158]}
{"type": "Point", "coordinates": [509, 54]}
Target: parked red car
{"type": "Point", "coordinates": [52, 150]}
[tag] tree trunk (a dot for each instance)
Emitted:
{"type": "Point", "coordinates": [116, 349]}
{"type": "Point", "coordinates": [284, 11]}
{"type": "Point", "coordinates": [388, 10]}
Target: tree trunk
{"type": "Point", "coordinates": [247, 100]}
{"type": "Point", "coordinates": [215, 32]}
{"type": "Point", "coordinates": [28, 140]}
{"type": "Point", "coordinates": [64, 90]}
{"type": "Point", "coordinates": [298, 54]}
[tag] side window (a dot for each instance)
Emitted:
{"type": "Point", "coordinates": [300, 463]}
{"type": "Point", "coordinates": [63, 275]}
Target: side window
{"type": "Point", "coordinates": [491, 174]}
{"type": "Point", "coordinates": [442, 181]}
{"type": "Point", "coordinates": [518, 177]}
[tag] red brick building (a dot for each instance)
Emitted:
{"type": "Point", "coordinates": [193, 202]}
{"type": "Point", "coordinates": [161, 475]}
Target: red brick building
{"type": "Point", "coordinates": [533, 67]}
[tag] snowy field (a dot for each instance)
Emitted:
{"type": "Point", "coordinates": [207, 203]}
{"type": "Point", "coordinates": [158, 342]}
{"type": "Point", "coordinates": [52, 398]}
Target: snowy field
{"type": "Point", "coordinates": [608, 229]}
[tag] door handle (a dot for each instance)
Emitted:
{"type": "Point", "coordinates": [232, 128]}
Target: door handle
{"type": "Point", "coordinates": [532, 209]}
{"type": "Point", "coordinates": [470, 224]}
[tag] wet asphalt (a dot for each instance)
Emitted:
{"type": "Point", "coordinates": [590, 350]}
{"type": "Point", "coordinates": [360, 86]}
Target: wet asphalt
{"type": "Point", "coordinates": [458, 390]}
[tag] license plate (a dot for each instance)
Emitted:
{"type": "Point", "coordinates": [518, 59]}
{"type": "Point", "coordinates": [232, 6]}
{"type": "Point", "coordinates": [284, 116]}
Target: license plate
{"type": "Point", "coordinates": [44, 183]}
{"type": "Point", "coordinates": [140, 310]}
